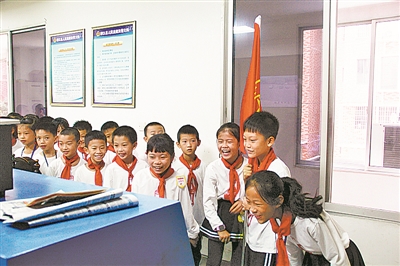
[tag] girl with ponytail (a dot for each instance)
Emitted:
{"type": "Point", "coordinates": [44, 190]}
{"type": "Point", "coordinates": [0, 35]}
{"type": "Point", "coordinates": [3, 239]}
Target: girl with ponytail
{"type": "Point", "coordinates": [306, 234]}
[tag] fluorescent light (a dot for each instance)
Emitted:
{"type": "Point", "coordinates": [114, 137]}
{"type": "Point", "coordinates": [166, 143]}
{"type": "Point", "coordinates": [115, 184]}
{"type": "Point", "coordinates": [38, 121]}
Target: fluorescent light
{"type": "Point", "coordinates": [242, 29]}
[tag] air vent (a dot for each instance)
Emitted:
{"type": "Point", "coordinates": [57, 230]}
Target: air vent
{"type": "Point", "coordinates": [391, 148]}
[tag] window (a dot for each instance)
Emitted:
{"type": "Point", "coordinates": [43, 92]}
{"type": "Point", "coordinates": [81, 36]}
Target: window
{"type": "Point", "coordinates": [366, 123]}
{"type": "Point", "coordinates": [353, 103]}
{"type": "Point", "coordinates": [311, 82]}
{"type": "Point", "coordinates": [28, 56]}
{"type": "Point", "coordinates": [281, 77]}
{"type": "Point", "coordinates": [4, 75]}
{"type": "Point", "coordinates": [362, 70]}
{"type": "Point", "coordinates": [351, 94]}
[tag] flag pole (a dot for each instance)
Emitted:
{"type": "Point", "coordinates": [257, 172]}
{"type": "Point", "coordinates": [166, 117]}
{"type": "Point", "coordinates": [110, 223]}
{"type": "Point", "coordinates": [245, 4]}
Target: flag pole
{"type": "Point", "coordinates": [251, 103]}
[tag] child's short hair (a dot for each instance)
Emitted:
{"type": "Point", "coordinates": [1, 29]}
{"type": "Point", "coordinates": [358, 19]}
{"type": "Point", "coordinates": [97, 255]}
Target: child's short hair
{"type": "Point", "coordinates": [232, 128]}
{"type": "Point", "coordinates": [29, 120]}
{"type": "Point", "coordinates": [161, 143]}
{"type": "Point", "coordinates": [14, 115]}
{"type": "Point", "coordinates": [108, 125]}
{"type": "Point", "coordinates": [83, 125]}
{"type": "Point", "coordinates": [46, 126]}
{"type": "Point", "coordinates": [264, 123]}
{"type": "Point", "coordinates": [71, 131]}
{"type": "Point", "coordinates": [60, 121]}
{"type": "Point", "coordinates": [187, 129]}
{"type": "Point", "coordinates": [45, 119]}
{"type": "Point", "coordinates": [126, 131]}
{"type": "Point", "coordinates": [152, 124]}
{"type": "Point", "coordinates": [94, 134]}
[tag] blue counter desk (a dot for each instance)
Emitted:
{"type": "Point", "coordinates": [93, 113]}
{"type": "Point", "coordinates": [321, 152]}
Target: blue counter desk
{"type": "Point", "coordinates": [153, 233]}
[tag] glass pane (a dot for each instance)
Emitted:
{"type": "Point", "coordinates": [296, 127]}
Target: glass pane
{"type": "Point", "coordinates": [280, 71]}
{"type": "Point", "coordinates": [385, 136]}
{"type": "Point", "coordinates": [311, 95]}
{"type": "Point", "coordinates": [367, 101]}
{"type": "Point", "coordinates": [4, 75]}
{"type": "Point", "coordinates": [351, 94]}
{"type": "Point", "coordinates": [28, 53]}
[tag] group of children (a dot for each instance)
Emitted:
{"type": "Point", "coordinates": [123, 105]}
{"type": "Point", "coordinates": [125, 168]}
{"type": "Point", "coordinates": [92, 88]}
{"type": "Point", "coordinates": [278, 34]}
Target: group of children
{"type": "Point", "coordinates": [238, 198]}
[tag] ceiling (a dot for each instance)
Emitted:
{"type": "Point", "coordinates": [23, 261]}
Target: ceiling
{"type": "Point", "coordinates": [277, 16]}
{"type": "Point", "coordinates": [271, 9]}
{"type": "Point", "coordinates": [246, 12]}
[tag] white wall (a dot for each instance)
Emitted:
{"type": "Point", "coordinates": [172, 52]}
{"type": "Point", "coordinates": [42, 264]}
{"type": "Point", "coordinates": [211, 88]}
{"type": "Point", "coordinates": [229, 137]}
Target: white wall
{"type": "Point", "coordinates": [179, 67]}
{"type": "Point", "coordinates": [378, 241]}
{"type": "Point", "coordinates": [179, 80]}
{"type": "Point", "coordinates": [372, 189]}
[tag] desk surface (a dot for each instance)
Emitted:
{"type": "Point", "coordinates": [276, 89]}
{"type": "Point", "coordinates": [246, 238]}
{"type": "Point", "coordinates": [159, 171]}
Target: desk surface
{"type": "Point", "coordinates": [15, 242]}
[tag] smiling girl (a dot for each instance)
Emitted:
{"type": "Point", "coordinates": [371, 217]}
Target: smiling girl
{"type": "Point", "coordinates": [306, 234]}
{"type": "Point", "coordinates": [222, 193]}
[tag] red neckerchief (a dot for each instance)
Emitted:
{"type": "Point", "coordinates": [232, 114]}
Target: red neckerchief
{"type": "Point", "coordinates": [111, 148]}
{"type": "Point", "coordinates": [281, 231]}
{"type": "Point", "coordinates": [265, 163]}
{"type": "Point", "coordinates": [121, 163]}
{"type": "Point", "coordinates": [161, 179]}
{"type": "Point", "coordinates": [98, 177]}
{"type": "Point", "coordinates": [234, 183]}
{"type": "Point", "coordinates": [192, 180]}
{"type": "Point", "coordinates": [66, 172]}
{"type": "Point", "coordinates": [85, 155]}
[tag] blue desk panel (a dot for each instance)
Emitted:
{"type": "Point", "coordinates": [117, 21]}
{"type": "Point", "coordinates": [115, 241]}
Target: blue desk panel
{"type": "Point", "coordinates": [153, 233]}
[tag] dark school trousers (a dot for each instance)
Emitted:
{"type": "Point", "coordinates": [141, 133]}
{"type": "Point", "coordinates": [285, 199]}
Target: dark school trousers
{"type": "Point", "coordinates": [216, 249]}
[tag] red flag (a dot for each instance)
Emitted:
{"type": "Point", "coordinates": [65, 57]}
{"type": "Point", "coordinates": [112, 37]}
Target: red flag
{"type": "Point", "coordinates": [251, 102]}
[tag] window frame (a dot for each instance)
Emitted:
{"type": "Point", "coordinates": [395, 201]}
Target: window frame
{"type": "Point", "coordinates": [300, 162]}
{"type": "Point", "coordinates": [11, 77]}
{"type": "Point", "coordinates": [10, 103]}
{"type": "Point", "coordinates": [366, 166]}
{"type": "Point", "coordinates": [367, 124]}
{"type": "Point", "coordinates": [327, 120]}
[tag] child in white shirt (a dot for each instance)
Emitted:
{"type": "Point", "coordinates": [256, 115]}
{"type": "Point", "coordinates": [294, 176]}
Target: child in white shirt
{"type": "Point", "coordinates": [66, 165]}
{"type": "Point", "coordinates": [160, 180]}
{"type": "Point", "coordinates": [305, 233]}
{"type": "Point", "coordinates": [192, 167]}
{"type": "Point", "coordinates": [92, 172]}
{"type": "Point", "coordinates": [108, 128]}
{"type": "Point", "coordinates": [26, 134]}
{"type": "Point", "coordinates": [125, 165]}
{"type": "Point", "coordinates": [46, 136]}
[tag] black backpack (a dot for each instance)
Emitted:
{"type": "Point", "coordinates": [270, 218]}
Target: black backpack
{"type": "Point", "coordinates": [26, 164]}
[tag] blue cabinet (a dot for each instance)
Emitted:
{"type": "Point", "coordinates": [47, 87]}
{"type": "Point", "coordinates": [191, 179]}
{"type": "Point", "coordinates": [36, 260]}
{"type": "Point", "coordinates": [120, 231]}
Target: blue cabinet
{"type": "Point", "coordinates": [153, 233]}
